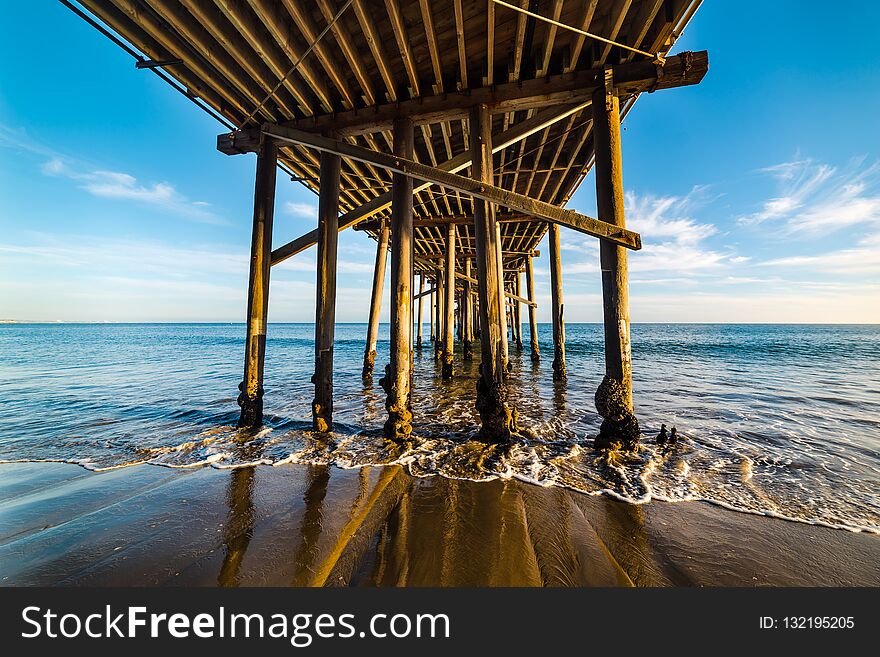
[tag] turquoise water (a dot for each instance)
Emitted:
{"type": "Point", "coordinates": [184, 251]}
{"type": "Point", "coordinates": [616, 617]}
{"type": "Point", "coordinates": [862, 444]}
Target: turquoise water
{"type": "Point", "coordinates": [779, 420]}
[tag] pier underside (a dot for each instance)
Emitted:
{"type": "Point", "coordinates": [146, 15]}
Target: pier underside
{"type": "Point", "coordinates": [451, 132]}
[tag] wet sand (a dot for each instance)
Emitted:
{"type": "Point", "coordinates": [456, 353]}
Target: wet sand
{"type": "Point", "coordinates": [309, 525]}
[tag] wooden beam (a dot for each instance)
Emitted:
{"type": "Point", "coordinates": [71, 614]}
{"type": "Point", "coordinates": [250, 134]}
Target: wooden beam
{"type": "Point", "coordinates": [482, 190]}
{"type": "Point", "coordinates": [507, 295]}
{"type": "Point", "coordinates": [613, 261]}
{"type": "Point", "coordinates": [517, 310]}
{"type": "Point", "coordinates": [558, 308]}
{"type": "Point", "coordinates": [681, 70]}
{"type": "Point", "coordinates": [425, 293]}
{"type": "Point", "coordinates": [251, 397]}
{"type": "Point", "coordinates": [464, 254]}
{"type": "Point", "coordinates": [376, 301]}
{"type": "Point", "coordinates": [431, 303]}
{"type": "Point", "coordinates": [501, 292]}
{"type": "Point", "coordinates": [244, 141]}
{"type": "Point", "coordinates": [439, 300]}
{"type": "Point", "coordinates": [325, 295]}
{"type": "Point", "coordinates": [497, 417]}
{"type": "Point", "coordinates": [449, 304]}
{"type": "Point", "coordinates": [441, 222]}
{"type": "Point", "coordinates": [397, 379]}
{"type": "Point", "coordinates": [467, 312]}
{"type": "Point", "coordinates": [419, 313]}
{"type": "Point", "coordinates": [532, 306]}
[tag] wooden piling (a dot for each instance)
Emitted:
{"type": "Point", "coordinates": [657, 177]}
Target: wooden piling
{"type": "Point", "coordinates": [419, 311]}
{"type": "Point", "coordinates": [497, 417]}
{"type": "Point", "coordinates": [558, 307]}
{"type": "Point", "coordinates": [613, 260]}
{"type": "Point", "coordinates": [467, 313]}
{"type": "Point", "coordinates": [505, 350]}
{"type": "Point", "coordinates": [449, 304]}
{"type": "Point", "coordinates": [251, 397]}
{"type": "Point", "coordinates": [431, 308]}
{"type": "Point", "coordinates": [398, 374]}
{"type": "Point", "coordinates": [325, 298]}
{"type": "Point", "coordinates": [517, 310]}
{"type": "Point", "coordinates": [439, 315]}
{"type": "Point", "coordinates": [376, 301]}
{"type": "Point", "coordinates": [533, 324]}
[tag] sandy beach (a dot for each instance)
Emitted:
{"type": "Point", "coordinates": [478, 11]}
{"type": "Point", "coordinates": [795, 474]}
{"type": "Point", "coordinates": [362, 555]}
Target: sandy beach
{"type": "Point", "coordinates": [309, 525]}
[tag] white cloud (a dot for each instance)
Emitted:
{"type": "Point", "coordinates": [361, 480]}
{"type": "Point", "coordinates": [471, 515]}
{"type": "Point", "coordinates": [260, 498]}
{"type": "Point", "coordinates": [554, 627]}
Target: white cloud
{"type": "Point", "coordinates": [815, 199]}
{"type": "Point", "coordinates": [861, 259]}
{"type": "Point", "coordinates": [672, 240]}
{"type": "Point", "coordinates": [124, 186]}
{"type": "Point", "coordinates": [303, 210]}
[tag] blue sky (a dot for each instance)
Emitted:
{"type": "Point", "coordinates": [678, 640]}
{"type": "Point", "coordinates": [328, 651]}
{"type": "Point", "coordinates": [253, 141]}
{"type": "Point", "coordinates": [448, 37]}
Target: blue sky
{"type": "Point", "coordinates": [757, 193]}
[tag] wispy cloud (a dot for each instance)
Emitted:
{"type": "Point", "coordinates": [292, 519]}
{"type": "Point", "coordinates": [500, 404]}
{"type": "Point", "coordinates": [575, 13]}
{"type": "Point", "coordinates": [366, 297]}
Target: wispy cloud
{"type": "Point", "coordinates": [864, 258]}
{"type": "Point", "coordinates": [673, 240]}
{"type": "Point", "coordinates": [815, 198]}
{"type": "Point", "coordinates": [303, 210]}
{"type": "Point", "coordinates": [102, 183]}
{"type": "Point", "coordinates": [124, 186]}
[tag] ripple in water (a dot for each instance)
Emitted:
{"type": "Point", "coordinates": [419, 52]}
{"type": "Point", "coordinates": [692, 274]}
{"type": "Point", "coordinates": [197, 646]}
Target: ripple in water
{"type": "Point", "coordinates": [779, 420]}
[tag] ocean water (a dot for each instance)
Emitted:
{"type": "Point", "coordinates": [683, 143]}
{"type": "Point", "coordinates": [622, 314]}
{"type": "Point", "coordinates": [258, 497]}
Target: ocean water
{"type": "Point", "coordinates": [780, 420]}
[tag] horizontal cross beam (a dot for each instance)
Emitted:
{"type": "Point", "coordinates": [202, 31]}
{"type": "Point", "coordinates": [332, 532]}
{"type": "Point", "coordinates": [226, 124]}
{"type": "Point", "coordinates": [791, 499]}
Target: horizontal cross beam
{"type": "Point", "coordinates": [509, 295]}
{"type": "Point", "coordinates": [469, 186]}
{"type": "Point", "coordinates": [244, 141]}
{"type": "Point", "coordinates": [441, 222]}
{"type": "Point", "coordinates": [685, 69]}
{"type": "Point", "coordinates": [465, 253]}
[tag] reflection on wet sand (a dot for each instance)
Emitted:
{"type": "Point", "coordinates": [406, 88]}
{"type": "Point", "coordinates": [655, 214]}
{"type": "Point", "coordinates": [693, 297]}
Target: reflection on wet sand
{"type": "Point", "coordinates": [318, 525]}
{"type": "Point", "coordinates": [240, 526]}
{"type": "Point", "coordinates": [403, 531]}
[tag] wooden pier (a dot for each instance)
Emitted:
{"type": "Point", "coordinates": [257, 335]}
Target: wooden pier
{"type": "Point", "coordinates": [453, 132]}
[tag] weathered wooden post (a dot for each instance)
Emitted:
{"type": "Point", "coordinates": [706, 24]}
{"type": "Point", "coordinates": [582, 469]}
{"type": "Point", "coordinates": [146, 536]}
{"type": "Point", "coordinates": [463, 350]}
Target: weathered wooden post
{"type": "Point", "coordinates": [251, 387]}
{"type": "Point", "coordinates": [419, 311]}
{"type": "Point", "coordinates": [325, 298]}
{"type": "Point", "coordinates": [398, 374]}
{"type": "Point", "coordinates": [431, 303]}
{"type": "Point", "coordinates": [558, 307]}
{"type": "Point", "coordinates": [376, 301]}
{"type": "Point", "coordinates": [502, 291]}
{"type": "Point", "coordinates": [449, 305]}
{"type": "Point", "coordinates": [533, 324]}
{"type": "Point", "coordinates": [439, 315]}
{"type": "Point", "coordinates": [614, 397]}
{"type": "Point", "coordinates": [467, 312]}
{"type": "Point", "coordinates": [517, 309]}
{"type": "Point", "coordinates": [497, 417]}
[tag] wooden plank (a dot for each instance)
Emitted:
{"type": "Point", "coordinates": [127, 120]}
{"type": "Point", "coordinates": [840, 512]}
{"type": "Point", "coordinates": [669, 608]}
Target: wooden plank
{"type": "Point", "coordinates": [477, 189]}
{"type": "Point", "coordinates": [243, 142]}
{"type": "Point", "coordinates": [573, 87]}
